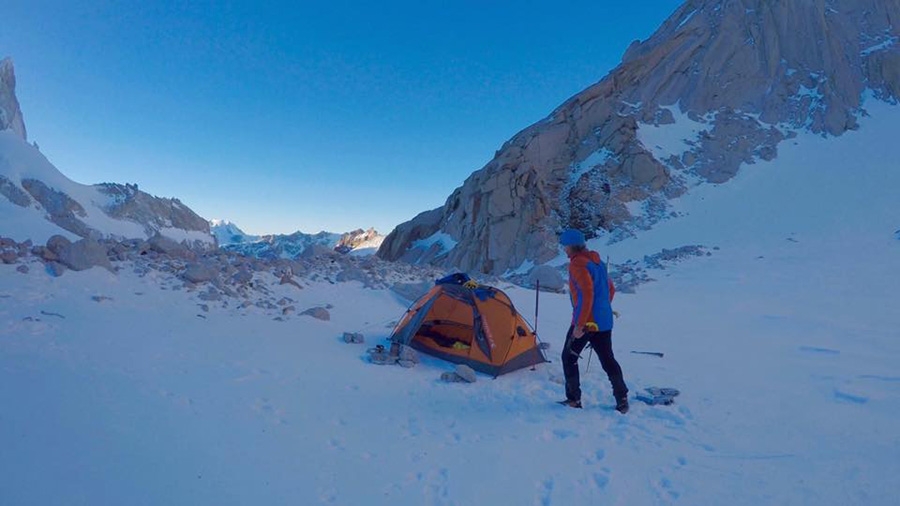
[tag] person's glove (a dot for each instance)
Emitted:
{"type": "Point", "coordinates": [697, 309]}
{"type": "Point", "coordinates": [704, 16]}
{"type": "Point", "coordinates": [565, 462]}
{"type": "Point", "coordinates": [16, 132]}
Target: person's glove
{"type": "Point", "coordinates": [591, 327]}
{"type": "Point", "coordinates": [471, 284]}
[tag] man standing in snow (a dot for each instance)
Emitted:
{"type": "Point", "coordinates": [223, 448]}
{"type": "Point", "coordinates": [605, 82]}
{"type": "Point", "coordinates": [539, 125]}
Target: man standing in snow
{"type": "Point", "coordinates": [592, 320]}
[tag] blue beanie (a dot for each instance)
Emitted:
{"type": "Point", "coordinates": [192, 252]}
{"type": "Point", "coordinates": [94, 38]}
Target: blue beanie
{"type": "Point", "coordinates": [571, 237]}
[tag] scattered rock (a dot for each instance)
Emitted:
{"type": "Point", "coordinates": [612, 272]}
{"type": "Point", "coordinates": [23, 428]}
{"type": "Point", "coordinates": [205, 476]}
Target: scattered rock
{"type": "Point", "coordinates": [23, 269]}
{"type": "Point", "coordinates": [211, 294]}
{"type": "Point", "coordinates": [466, 373]}
{"type": "Point", "coordinates": [287, 279]}
{"type": "Point", "coordinates": [242, 276]}
{"type": "Point", "coordinates": [100, 298]}
{"type": "Point", "coordinates": [451, 377]}
{"type": "Point", "coordinates": [288, 309]}
{"type": "Point", "coordinates": [166, 246]}
{"type": "Point", "coordinates": [9, 257]}
{"type": "Point", "coordinates": [55, 269]}
{"type": "Point", "coordinates": [84, 254]}
{"type": "Point", "coordinates": [56, 244]}
{"type": "Point", "coordinates": [353, 337]}
{"type": "Point", "coordinates": [320, 313]}
{"type": "Point", "coordinates": [408, 354]}
{"type": "Point", "coordinates": [380, 356]}
{"type": "Point", "coordinates": [198, 273]}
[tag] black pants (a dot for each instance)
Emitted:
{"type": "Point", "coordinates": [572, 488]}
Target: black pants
{"type": "Point", "coordinates": [601, 342]}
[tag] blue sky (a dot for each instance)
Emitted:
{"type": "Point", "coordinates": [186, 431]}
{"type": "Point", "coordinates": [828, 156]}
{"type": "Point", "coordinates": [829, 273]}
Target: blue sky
{"type": "Point", "coordinates": [285, 116]}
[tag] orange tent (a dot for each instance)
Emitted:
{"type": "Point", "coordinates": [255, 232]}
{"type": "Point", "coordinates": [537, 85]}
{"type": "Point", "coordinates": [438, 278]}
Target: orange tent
{"type": "Point", "coordinates": [465, 323]}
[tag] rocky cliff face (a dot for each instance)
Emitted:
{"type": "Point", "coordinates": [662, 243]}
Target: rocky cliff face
{"type": "Point", "coordinates": [716, 88]}
{"type": "Point", "coordinates": [10, 114]}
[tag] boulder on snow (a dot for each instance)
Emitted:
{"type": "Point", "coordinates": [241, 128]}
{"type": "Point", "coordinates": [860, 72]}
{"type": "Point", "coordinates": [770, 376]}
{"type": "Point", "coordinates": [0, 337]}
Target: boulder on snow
{"type": "Point", "coordinates": [550, 278]}
{"type": "Point", "coordinates": [451, 377]}
{"type": "Point", "coordinates": [43, 253]}
{"type": "Point", "coordinates": [353, 273]}
{"type": "Point", "coordinates": [9, 257]}
{"type": "Point", "coordinates": [22, 268]}
{"type": "Point", "coordinates": [198, 273]}
{"type": "Point", "coordinates": [288, 279]}
{"type": "Point", "coordinates": [319, 313]}
{"type": "Point", "coordinates": [55, 269]}
{"type": "Point", "coordinates": [353, 337]}
{"type": "Point", "coordinates": [380, 356]}
{"type": "Point", "coordinates": [408, 354]}
{"type": "Point", "coordinates": [242, 276]}
{"type": "Point", "coordinates": [84, 254]}
{"type": "Point", "coordinates": [162, 244]}
{"type": "Point", "coordinates": [466, 373]}
{"type": "Point", "coordinates": [56, 243]}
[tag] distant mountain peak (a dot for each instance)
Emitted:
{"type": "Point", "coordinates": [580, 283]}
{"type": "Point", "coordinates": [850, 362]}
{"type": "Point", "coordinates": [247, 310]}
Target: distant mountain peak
{"type": "Point", "coordinates": [232, 238]}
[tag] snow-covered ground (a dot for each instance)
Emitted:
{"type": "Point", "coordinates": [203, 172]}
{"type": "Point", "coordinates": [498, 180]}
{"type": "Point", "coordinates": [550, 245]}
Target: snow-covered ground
{"type": "Point", "coordinates": [120, 389]}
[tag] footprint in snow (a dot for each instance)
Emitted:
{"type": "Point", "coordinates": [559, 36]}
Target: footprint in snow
{"type": "Point", "coordinates": [595, 457]}
{"type": "Point", "coordinates": [666, 490]}
{"type": "Point", "coordinates": [846, 397]}
{"type": "Point", "coordinates": [436, 491]}
{"type": "Point", "coordinates": [818, 350]}
{"type": "Point", "coordinates": [557, 435]}
{"type": "Point", "coordinates": [544, 492]}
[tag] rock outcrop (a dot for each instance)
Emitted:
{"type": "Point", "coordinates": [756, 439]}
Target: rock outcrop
{"type": "Point", "coordinates": [10, 113]}
{"type": "Point", "coordinates": [717, 87]}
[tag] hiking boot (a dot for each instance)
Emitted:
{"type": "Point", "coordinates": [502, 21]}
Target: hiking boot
{"type": "Point", "coordinates": [570, 403]}
{"type": "Point", "coordinates": [622, 405]}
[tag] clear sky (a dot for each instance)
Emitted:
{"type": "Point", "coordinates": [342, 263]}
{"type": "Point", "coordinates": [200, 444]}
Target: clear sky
{"type": "Point", "coordinates": [285, 116]}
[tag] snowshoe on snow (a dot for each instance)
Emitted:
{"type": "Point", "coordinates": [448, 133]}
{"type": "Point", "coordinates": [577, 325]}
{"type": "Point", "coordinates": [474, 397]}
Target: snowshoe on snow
{"type": "Point", "coordinates": [571, 404]}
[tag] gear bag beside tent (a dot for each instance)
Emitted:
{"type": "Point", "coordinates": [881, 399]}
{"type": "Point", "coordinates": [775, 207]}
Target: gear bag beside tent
{"type": "Point", "coordinates": [466, 323]}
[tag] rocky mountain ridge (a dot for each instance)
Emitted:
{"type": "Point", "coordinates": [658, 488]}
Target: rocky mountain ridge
{"type": "Point", "coordinates": [713, 91]}
{"type": "Point", "coordinates": [37, 200]}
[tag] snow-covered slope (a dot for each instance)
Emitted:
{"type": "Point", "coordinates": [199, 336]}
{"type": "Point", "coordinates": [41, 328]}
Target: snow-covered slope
{"type": "Point", "coordinates": [783, 342]}
{"type": "Point", "coordinates": [38, 201]}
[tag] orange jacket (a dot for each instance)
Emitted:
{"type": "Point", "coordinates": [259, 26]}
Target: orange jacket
{"type": "Point", "coordinates": [591, 290]}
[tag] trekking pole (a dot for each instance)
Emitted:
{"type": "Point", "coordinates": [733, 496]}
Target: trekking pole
{"type": "Point", "coordinates": [537, 301]}
{"type": "Point", "coordinates": [590, 356]}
